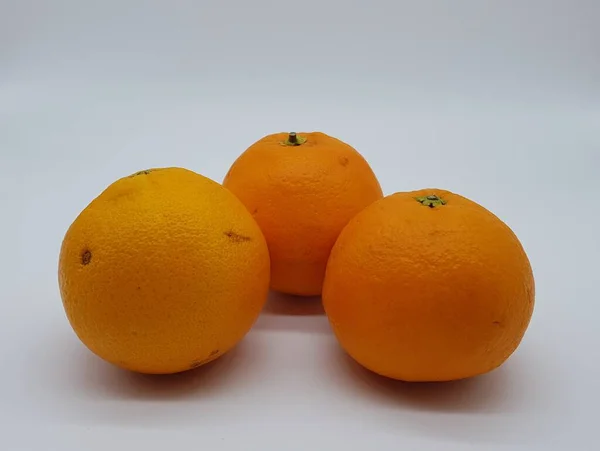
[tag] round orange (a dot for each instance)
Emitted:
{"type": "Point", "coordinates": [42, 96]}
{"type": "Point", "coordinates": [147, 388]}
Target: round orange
{"type": "Point", "coordinates": [428, 286]}
{"type": "Point", "coordinates": [302, 189]}
{"type": "Point", "coordinates": [164, 271]}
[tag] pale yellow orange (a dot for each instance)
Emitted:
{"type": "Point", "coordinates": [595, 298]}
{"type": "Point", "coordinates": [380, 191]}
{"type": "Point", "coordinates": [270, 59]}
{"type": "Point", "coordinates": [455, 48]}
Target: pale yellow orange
{"type": "Point", "coordinates": [164, 271]}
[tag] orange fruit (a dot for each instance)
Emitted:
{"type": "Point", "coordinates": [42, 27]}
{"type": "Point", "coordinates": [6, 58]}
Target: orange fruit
{"type": "Point", "coordinates": [163, 272]}
{"type": "Point", "coordinates": [428, 286]}
{"type": "Point", "coordinates": [302, 189]}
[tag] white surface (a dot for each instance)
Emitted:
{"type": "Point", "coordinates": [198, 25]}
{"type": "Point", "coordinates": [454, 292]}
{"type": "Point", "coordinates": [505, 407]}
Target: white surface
{"type": "Point", "coordinates": [498, 101]}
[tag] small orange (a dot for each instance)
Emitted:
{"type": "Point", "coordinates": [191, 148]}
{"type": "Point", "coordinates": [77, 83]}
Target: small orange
{"type": "Point", "coordinates": [428, 286]}
{"type": "Point", "coordinates": [302, 189]}
{"type": "Point", "coordinates": [164, 271]}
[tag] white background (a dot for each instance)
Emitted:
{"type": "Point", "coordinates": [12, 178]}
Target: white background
{"type": "Point", "coordinates": [498, 101]}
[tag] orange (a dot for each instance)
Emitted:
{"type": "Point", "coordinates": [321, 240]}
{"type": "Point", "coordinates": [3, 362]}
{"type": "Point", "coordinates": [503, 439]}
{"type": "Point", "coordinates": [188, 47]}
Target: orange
{"type": "Point", "coordinates": [302, 189]}
{"type": "Point", "coordinates": [164, 271]}
{"type": "Point", "coordinates": [428, 286]}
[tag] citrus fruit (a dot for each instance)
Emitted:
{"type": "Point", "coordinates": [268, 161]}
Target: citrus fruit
{"type": "Point", "coordinates": [164, 271]}
{"type": "Point", "coordinates": [302, 189]}
{"type": "Point", "coordinates": [428, 286]}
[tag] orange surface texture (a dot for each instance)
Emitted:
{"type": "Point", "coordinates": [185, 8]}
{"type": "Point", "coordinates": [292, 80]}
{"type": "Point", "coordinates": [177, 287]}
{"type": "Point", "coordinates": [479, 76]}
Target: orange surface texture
{"type": "Point", "coordinates": [302, 194]}
{"type": "Point", "coordinates": [164, 271]}
{"type": "Point", "coordinates": [428, 289]}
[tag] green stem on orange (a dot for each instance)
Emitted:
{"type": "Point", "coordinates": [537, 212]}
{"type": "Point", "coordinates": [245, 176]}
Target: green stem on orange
{"type": "Point", "coordinates": [294, 140]}
{"type": "Point", "coordinates": [431, 201]}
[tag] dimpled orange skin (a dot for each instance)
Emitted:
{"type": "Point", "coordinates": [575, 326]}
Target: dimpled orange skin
{"type": "Point", "coordinates": [163, 272]}
{"type": "Point", "coordinates": [302, 196]}
{"type": "Point", "coordinates": [428, 294]}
